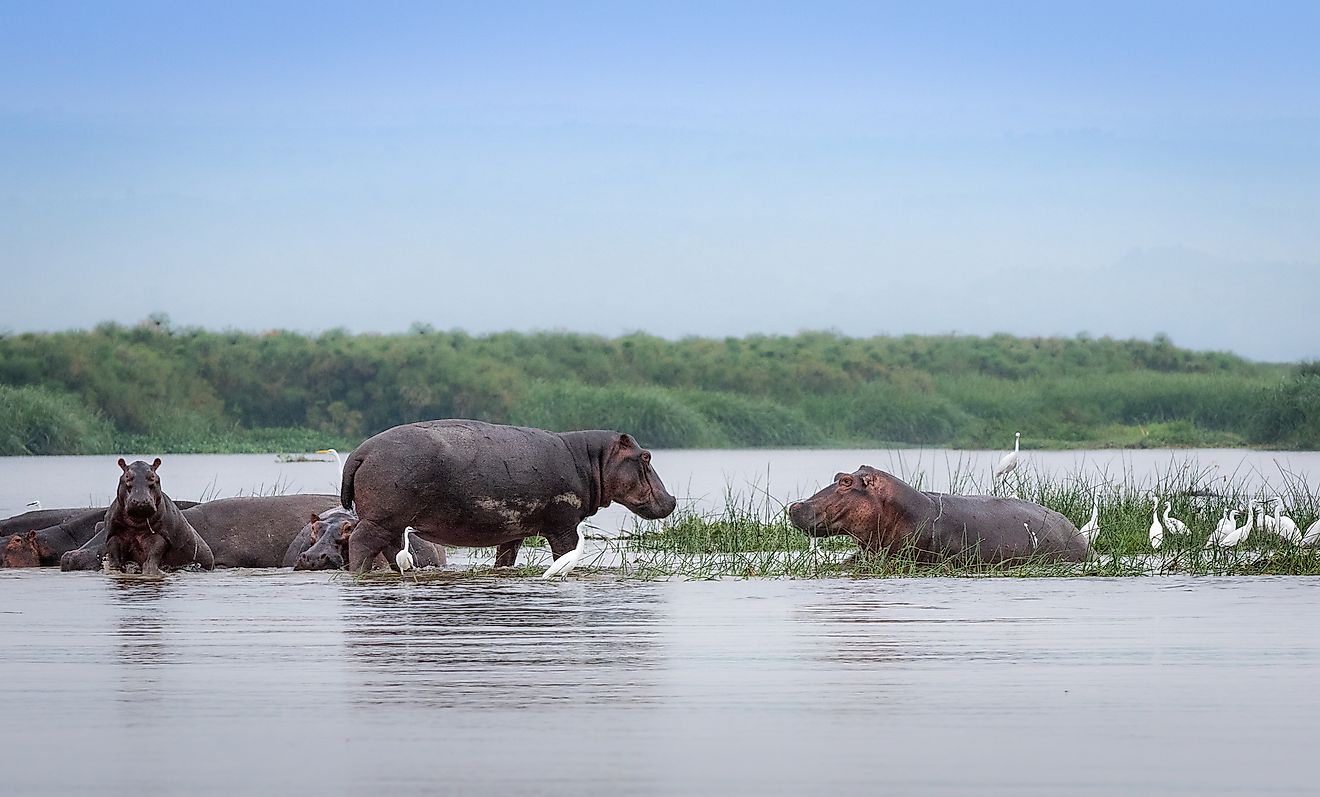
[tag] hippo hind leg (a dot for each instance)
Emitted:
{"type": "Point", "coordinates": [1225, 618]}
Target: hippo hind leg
{"type": "Point", "coordinates": [367, 540]}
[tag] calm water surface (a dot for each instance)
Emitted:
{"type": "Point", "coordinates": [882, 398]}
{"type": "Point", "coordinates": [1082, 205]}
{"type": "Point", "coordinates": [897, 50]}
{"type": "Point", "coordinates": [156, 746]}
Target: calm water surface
{"type": "Point", "coordinates": [312, 684]}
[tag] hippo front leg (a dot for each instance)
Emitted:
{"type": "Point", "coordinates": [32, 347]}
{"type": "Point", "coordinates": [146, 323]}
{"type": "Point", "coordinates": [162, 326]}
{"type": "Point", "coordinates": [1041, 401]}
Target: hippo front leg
{"type": "Point", "coordinates": [155, 555]}
{"type": "Point", "coordinates": [507, 554]}
{"type": "Point", "coordinates": [112, 561]}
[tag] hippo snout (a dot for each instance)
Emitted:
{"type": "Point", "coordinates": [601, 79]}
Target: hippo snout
{"type": "Point", "coordinates": [802, 515]}
{"type": "Point", "coordinates": [318, 561]}
{"type": "Point", "coordinates": [662, 507]}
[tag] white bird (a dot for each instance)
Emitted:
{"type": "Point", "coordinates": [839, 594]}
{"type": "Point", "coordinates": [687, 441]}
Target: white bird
{"type": "Point", "coordinates": [35, 505]}
{"type": "Point", "coordinates": [1172, 524]}
{"type": "Point", "coordinates": [1156, 533]}
{"type": "Point", "coordinates": [1092, 528]}
{"type": "Point", "coordinates": [339, 461]}
{"type": "Point", "coordinates": [1283, 525]}
{"type": "Point", "coordinates": [1032, 535]}
{"type": "Point", "coordinates": [1225, 527]}
{"type": "Point", "coordinates": [1010, 460]}
{"type": "Point", "coordinates": [403, 558]}
{"type": "Point", "coordinates": [1239, 534]}
{"type": "Point", "coordinates": [1312, 535]}
{"type": "Point", "coordinates": [564, 565]}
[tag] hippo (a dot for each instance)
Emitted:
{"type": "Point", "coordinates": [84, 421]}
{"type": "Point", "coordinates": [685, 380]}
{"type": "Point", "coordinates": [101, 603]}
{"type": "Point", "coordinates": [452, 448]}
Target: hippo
{"type": "Point", "coordinates": [323, 545]}
{"type": "Point", "coordinates": [44, 547]}
{"type": "Point", "coordinates": [241, 532]}
{"type": "Point", "coordinates": [38, 519]}
{"type": "Point", "coordinates": [144, 526]}
{"type": "Point", "coordinates": [885, 514]}
{"type": "Point", "coordinates": [462, 482]}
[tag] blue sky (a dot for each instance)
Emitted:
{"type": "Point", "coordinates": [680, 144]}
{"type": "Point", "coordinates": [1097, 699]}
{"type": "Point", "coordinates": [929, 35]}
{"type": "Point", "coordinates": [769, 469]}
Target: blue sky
{"type": "Point", "coordinates": [1034, 168]}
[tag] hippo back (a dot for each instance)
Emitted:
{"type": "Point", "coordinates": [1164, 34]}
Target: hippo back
{"type": "Point", "coordinates": [255, 531]}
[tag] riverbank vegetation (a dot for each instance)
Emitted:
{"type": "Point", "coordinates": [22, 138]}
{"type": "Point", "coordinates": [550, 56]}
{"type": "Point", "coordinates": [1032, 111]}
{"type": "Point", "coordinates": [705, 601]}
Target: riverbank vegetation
{"type": "Point", "coordinates": [156, 388]}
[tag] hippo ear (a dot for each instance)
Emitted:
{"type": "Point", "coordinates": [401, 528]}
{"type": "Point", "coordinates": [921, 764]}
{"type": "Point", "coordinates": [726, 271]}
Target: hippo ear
{"type": "Point", "coordinates": [155, 465]}
{"type": "Point", "coordinates": [345, 529]}
{"type": "Point", "coordinates": [31, 536]}
{"type": "Point", "coordinates": [123, 465]}
{"type": "Point", "coordinates": [315, 518]}
{"type": "Point", "coordinates": [316, 528]}
{"type": "Point", "coordinates": [626, 441]}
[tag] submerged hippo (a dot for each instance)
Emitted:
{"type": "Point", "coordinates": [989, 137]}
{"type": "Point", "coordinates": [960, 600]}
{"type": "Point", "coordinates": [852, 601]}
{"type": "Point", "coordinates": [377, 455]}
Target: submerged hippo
{"type": "Point", "coordinates": [145, 527]}
{"type": "Point", "coordinates": [38, 519]}
{"type": "Point", "coordinates": [883, 513]}
{"type": "Point", "coordinates": [241, 532]}
{"type": "Point", "coordinates": [323, 545]}
{"type": "Point", "coordinates": [44, 547]}
{"type": "Point", "coordinates": [477, 484]}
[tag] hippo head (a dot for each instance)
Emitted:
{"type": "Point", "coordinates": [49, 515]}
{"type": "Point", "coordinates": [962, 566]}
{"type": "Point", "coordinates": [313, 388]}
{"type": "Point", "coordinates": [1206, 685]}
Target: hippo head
{"type": "Point", "coordinates": [627, 477]}
{"type": "Point", "coordinates": [329, 545]}
{"type": "Point", "coordinates": [139, 489]}
{"type": "Point", "coordinates": [24, 550]}
{"type": "Point", "coordinates": [857, 503]}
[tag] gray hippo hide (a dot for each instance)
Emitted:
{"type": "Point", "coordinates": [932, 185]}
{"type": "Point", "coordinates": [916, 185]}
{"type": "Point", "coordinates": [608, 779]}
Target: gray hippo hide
{"type": "Point", "coordinates": [478, 484]}
{"type": "Point", "coordinates": [885, 514]}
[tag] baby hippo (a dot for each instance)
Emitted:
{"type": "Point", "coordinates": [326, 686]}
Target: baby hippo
{"type": "Point", "coordinates": [145, 527]}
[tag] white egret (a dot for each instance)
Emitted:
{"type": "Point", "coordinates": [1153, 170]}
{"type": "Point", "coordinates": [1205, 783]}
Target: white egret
{"type": "Point", "coordinates": [1283, 525]}
{"type": "Point", "coordinates": [1225, 527]}
{"type": "Point", "coordinates": [1092, 528]}
{"type": "Point", "coordinates": [339, 461]}
{"type": "Point", "coordinates": [403, 558]}
{"type": "Point", "coordinates": [34, 505]}
{"type": "Point", "coordinates": [1312, 535]}
{"type": "Point", "coordinates": [1239, 534]}
{"type": "Point", "coordinates": [1172, 524]}
{"type": "Point", "coordinates": [1010, 461]}
{"type": "Point", "coordinates": [564, 565]}
{"type": "Point", "coordinates": [1156, 533]}
{"type": "Point", "coordinates": [1032, 535]}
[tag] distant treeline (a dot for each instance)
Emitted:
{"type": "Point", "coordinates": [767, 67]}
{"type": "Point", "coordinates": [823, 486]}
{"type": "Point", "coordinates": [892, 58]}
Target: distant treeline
{"type": "Point", "coordinates": [153, 388]}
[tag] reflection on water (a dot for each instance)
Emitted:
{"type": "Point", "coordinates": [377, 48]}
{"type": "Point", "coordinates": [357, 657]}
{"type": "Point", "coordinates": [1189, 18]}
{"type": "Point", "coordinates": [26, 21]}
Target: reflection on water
{"type": "Point", "coordinates": [502, 644]}
{"type": "Point", "coordinates": [315, 684]}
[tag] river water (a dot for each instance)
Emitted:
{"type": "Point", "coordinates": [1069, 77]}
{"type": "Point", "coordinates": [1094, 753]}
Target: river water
{"type": "Point", "coordinates": [312, 683]}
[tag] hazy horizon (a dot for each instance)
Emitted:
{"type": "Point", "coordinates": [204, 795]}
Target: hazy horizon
{"type": "Point", "coordinates": [697, 169]}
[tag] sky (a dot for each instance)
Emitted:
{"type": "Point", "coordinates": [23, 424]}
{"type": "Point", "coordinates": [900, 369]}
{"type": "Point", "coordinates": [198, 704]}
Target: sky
{"type": "Point", "coordinates": [1035, 168]}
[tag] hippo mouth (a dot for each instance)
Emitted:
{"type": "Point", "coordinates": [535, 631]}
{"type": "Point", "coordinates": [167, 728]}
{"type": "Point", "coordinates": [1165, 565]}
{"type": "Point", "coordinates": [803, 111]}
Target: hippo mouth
{"type": "Point", "coordinates": [140, 511]}
{"type": "Point", "coordinates": [807, 520]}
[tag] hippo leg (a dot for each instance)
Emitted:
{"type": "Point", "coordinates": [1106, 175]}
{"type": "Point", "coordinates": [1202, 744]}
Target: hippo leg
{"type": "Point", "coordinates": [367, 540]}
{"type": "Point", "coordinates": [113, 561]}
{"type": "Point", "coordinates": [151, 563]}
{"type": "Point", "coordinates": [561, 542]}
{"type": "Point", "coordinates": [507, 554]}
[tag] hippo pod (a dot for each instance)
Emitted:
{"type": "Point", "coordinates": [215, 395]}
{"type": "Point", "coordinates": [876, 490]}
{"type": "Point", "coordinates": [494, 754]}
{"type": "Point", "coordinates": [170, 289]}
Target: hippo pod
{"type": "Point", "coordinates": [885, 514]}
{"type": "Point", "coordinates": [323, 545]}
{"type": "Point", "coordinates": [469, 483]}
{"type": "Point", "coordinates": [241, 532]}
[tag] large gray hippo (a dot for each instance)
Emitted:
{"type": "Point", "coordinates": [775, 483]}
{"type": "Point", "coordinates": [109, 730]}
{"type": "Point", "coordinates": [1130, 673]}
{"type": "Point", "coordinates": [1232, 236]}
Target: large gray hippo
{"type": "Point", "coordinates": [241, 532]}
{"type": "Point", "coordinates": [38, 519]}
{"type": "Point", "coordinates": [469, 483]}
{"type": "Point", "coordinates": [145, 527]}
{"type": "Point", "coordinates": [883, 513]}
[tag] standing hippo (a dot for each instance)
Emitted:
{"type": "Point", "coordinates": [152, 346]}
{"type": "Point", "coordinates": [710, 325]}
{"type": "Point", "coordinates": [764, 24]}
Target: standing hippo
{"type": "Point", "coordinates": [883, 513]}
{"type": "Point", "coordinates": [144, 526]}
{"type": "Point", "coordinates": [323, 545]}
{"type": "Point", "coordinates": [477, 484]}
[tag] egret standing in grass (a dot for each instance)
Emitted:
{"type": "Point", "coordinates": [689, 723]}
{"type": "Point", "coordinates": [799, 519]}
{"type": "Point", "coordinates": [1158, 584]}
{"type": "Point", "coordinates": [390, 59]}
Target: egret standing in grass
{"type": "Point", "coordinates": [1156, 533]}
{"type": "Point", "coordinates": [1225, 527]}
{"type": "Point", "coordinates": [1172, 524]}
{"type": "Point", "coordinates": [564, 565]}
{"type": "Point", "coordinates": [1092, 528]}
{"type": "Point", "coordinates": [1010, 461]}
{"type": "Point", "coordinates": [1283, 525]}
{"type": "Point", "coordinates": [1239, 535]}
